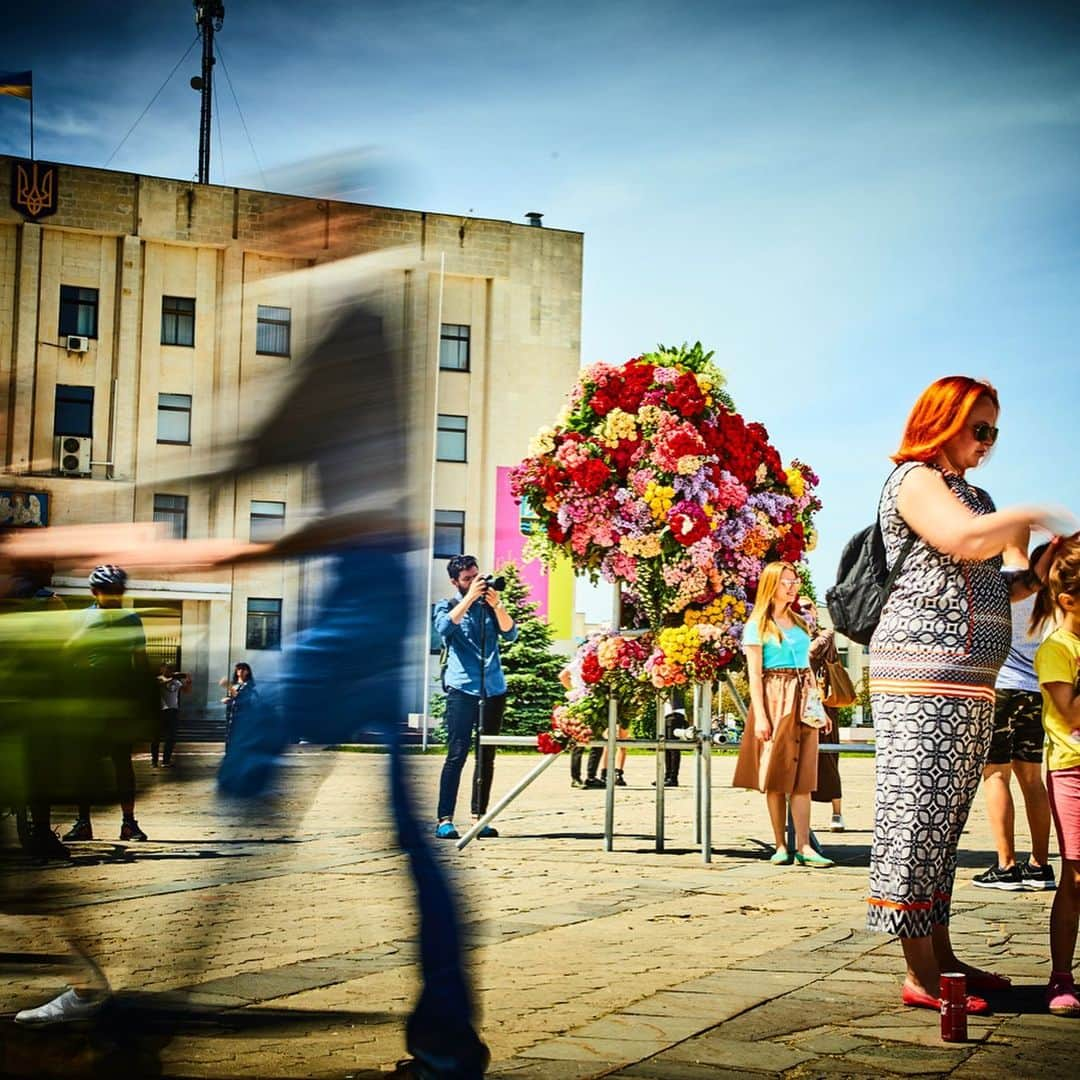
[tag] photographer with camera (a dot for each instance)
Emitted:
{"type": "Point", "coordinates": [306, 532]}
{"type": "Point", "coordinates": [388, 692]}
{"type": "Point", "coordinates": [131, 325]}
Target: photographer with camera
{"type": "Point", "coordinates": [171, 684]}
{"type": "Point", "coordinates": [471, 629]}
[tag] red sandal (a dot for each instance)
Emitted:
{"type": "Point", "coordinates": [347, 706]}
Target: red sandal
{"type": "Point", "coordinates": [976, 1006]}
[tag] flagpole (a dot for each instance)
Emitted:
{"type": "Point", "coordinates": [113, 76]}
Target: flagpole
{"type": "Point", "coordinates": [31, 123]}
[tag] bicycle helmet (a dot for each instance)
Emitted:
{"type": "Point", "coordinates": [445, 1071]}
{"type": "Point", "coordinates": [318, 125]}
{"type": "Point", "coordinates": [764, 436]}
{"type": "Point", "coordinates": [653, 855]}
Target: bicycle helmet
{"type": "Point", "coordinates": [108, 579]}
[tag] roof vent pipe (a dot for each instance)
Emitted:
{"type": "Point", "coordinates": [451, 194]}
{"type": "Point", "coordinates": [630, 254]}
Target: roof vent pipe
{"type": "Point", "coordinates": [534, 218]}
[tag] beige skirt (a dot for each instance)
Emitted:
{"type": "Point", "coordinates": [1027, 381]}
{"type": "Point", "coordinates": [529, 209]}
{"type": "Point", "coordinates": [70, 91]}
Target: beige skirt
{"type": "Point", "coordinates": [787, 763]}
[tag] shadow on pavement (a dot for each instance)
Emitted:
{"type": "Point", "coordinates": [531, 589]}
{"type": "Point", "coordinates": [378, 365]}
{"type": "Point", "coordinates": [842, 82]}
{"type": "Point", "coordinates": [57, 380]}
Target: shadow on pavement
{"type": "Point", "coordinates": [127, 1039]}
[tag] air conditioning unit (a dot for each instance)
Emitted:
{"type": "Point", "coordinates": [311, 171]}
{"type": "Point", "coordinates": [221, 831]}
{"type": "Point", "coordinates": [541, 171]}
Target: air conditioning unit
{"type": "Point", "coordinates": [77, 343]}
{"type": "Point", "coordinates": [73, 455]}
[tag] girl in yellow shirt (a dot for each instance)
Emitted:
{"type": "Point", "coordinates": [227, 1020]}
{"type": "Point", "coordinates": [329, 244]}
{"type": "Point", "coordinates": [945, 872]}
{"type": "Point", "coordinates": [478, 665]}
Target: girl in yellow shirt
{"type": "Point", "coordinates": [1057, 664]}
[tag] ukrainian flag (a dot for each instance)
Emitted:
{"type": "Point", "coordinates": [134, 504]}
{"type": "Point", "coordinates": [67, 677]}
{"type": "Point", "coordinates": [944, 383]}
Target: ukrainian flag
{"type": "Point", "coordinates": [17, 83]}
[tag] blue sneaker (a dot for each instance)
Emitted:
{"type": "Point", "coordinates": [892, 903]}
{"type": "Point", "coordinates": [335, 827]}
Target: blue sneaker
{"type": "Point", "coordinates": [487, 832]}
{"type": "Point", "coordinates": [445, 831]}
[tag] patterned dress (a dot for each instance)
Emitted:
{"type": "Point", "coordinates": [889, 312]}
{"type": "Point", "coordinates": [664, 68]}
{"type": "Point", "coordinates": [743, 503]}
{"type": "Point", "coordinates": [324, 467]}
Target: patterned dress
{"type": "Point", "coordinates": [934, 658]}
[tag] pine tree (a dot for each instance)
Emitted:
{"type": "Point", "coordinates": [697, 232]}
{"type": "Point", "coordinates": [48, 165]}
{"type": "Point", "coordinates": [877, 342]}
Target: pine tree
{"type": "Point", "coordinates": [531, 668]}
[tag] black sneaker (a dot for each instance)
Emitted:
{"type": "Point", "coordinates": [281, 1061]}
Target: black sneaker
{"type": "Point", "coordinates": [81, 830]}
{"type": "Point", "coordinates": [619, 780]}
{"type": "Point", "coordinates": [1037, 877]}
{"type": "Point", "coordinates": [130, 830]}
{"type": "Point", "coordinates": [593, 782]}
{"type": "Point", "coordinates": [997, 878]}
{"type": "Point", "coordinates": [46, 845]}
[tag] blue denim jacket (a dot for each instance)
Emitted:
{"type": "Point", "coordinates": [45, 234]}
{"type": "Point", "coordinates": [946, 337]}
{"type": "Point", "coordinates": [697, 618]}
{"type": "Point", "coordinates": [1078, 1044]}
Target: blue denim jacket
{"type": "Point", "coordinates": [463, 640]}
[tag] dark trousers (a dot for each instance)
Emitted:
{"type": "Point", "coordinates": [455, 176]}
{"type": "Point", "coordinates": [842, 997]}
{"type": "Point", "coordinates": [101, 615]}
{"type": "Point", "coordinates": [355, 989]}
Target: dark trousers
{"type": "Point", "coordinates": [170, 721]}
{"type": "Point", "coordinates": [578, 752]}
{"type": "Point", "coordinates": [461, 715]}
{"type": "Point", "coordinates": [125, 781]}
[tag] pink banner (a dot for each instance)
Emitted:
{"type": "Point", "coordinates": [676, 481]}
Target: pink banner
{"type": "Point", "coordinates": [509, 541]}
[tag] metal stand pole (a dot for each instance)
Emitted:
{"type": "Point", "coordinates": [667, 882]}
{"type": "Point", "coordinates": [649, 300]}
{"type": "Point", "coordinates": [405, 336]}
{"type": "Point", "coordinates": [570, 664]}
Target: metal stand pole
{"type": "Point", "coordinates": [661, 762]}
{"type": "Point", "coordinates": [612, 736]}
{"type": "Point", "coordinates": [697, 720]}
{"type": "Point", "coordinates": [704, 726]}
{"type": "Point", "coordinates": [508, 798]}
{"type": "Point", "coordinates": [609, 793]}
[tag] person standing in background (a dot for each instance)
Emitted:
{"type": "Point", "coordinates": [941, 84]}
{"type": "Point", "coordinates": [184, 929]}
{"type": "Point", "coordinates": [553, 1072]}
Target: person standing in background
{"type": "Point", "coordinates": [170, 685]}
{"type": "Point", "coordinates": [1016, 749]}
{"type": "Point", "coordinates": [829, 788]}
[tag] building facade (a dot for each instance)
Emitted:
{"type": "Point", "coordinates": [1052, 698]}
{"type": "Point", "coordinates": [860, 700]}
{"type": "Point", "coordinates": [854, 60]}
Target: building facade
{"type": "Point", "coordinates": [147, 323]}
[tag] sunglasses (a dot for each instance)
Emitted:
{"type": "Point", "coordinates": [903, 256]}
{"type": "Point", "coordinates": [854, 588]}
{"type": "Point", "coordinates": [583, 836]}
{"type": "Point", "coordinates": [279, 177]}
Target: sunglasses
{"type": "Point", "coordinates": [985, 432]}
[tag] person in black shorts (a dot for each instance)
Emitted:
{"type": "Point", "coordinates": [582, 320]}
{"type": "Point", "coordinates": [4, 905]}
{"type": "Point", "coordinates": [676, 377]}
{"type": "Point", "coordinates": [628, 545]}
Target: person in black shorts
{"type": "Point", "coordinates": [1016, 749]}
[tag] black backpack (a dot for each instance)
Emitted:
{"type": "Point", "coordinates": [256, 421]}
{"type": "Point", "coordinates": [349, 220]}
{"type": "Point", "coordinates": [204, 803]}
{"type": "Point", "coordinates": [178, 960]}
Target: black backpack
{"type": "Point", "coordinates": [863, 583]}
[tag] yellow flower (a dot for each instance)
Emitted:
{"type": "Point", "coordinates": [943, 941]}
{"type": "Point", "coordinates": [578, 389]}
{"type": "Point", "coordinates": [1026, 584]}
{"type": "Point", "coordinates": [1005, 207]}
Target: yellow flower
{"type": "Point", "coordinates": [796, 482]}
{"type": "Point", "coordinates": [617, 425]}
{"type": "Point", "coordinates": [689, 464]}
{"type": "Point", "coordinates": [543, 442]}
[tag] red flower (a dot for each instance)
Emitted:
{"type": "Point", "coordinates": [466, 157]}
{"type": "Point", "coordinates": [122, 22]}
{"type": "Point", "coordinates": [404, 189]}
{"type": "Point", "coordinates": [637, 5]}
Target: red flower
{"type": "Point", "coordinates": [681, 443]}
{"type": "Point", "coordinates": [790, 546]}
{"type": "Point", "coordinates": [556, 532]}
{"type": "Point", "coordinates": [546, 743]}
{"type": "Point", "coordinates": [623, 454]}
{"type": "Point", "coordinates": [688, 522]}
{"type": "Point", "coordinates": [591, 475]}
{"type": "Point", "coordinates": [591, 671]}
{"type": "Point", "coordinates": [638, 378]}
{"type": "Point", "coordinates": [686, 396]}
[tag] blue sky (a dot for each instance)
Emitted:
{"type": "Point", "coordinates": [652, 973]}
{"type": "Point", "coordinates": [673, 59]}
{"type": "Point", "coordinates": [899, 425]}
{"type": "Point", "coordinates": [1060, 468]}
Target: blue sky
{"type": "Point", "coordinates": [845, 200]}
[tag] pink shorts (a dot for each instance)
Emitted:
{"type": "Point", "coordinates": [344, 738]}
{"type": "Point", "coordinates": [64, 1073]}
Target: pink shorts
{"type": "Point", "coordinates": [1063, 787]}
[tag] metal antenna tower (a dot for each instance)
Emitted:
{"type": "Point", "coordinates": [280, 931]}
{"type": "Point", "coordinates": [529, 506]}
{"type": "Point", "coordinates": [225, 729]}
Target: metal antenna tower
{"type": "Point", "coordinates": [209, 15]}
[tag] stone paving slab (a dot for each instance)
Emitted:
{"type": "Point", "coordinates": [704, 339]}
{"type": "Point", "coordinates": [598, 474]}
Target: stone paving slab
{"type": "Point", "coordinates": [292, 937]}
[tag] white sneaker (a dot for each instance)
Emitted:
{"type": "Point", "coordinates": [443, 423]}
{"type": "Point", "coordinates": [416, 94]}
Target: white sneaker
{"type": "Point", "coordinates": [64, 1009]}
{"type": "Point", "coordinates": [837, 823]}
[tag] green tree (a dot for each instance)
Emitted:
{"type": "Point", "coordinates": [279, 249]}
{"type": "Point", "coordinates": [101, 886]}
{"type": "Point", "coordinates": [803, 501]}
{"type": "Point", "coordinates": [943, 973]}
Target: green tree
{"type": "Point", "coordinates": [531, 668]}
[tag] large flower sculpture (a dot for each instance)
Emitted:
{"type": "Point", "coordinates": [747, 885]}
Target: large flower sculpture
{"type": "Point", "coordinates": [651, 479]}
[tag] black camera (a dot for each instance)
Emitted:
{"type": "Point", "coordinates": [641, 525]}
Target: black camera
{"type": "Point", "coordinates": [496, 583]}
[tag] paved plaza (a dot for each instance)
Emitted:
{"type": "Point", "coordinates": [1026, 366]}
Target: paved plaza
{"type": "Point", "coordinates": [282, 943]}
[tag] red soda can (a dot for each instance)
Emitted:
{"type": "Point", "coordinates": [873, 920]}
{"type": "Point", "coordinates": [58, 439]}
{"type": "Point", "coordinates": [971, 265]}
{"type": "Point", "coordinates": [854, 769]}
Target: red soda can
{"type": "Point", "coordinates": [954, 1008]}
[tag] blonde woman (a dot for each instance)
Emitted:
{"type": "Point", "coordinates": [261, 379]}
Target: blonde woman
{"type": "Point", "coordinates": [779, 751]}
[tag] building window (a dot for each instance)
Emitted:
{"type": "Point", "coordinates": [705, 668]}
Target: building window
{"type": "Point", "coordinates": [273, 331]}
{"type": "Point", "coordinates": [74, 412]}
{"type": "Point", "coordinates": [177, 321]}
{"type": "Point", "coordinates": [267, 520]}
{"type": "Point", "coordinates": [174, 418]}
{"type": "Point", "coordinates": [172, 510]}
{"type": "Point", "coordinates": [78, 311]}
{"type": "Point", "coordinates": [454, 347]}
{"type": "Point", "coordinates": [451, 438]}
{"type": "Point", "coordinates": [263, 624]}
{"type": "Point", "coordinates": [449, 533]}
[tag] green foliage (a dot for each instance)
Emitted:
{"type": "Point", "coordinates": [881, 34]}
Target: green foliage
{"type": "Point", "coordinates": [806, 586]}
{"type": "Point", "coordinates": [531, 668]}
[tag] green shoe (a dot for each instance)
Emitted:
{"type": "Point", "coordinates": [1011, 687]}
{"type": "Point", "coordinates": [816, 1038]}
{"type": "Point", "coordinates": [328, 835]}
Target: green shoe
{"type": "Point", "coordinates": [818, 862]}
{"type": "Point", "coordinates": [780, 858]}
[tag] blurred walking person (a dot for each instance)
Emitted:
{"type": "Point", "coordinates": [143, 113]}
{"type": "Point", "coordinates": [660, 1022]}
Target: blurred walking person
{"type": "Point", "coordinates": [95, 645]}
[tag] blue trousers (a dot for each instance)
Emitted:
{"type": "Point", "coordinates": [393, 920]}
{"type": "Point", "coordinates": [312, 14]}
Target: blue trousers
{"type": "Point", "coordinates": [341, 676]}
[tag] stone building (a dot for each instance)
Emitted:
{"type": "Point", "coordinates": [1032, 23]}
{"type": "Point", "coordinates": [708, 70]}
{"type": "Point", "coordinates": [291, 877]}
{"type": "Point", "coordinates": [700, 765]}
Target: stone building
{"type": "Point", "coordinates": [144, 323]}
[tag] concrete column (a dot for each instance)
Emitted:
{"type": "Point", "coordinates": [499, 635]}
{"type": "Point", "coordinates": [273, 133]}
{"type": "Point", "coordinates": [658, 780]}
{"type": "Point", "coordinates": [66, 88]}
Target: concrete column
{"type": "Point", "coordinates": [128, 355]}
{"type": "Point", "coordinates": [24, 360]}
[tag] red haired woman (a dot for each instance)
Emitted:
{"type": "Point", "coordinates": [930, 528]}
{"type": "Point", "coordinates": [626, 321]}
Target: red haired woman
{"type": "Point", "coordinates": [944, 632]}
